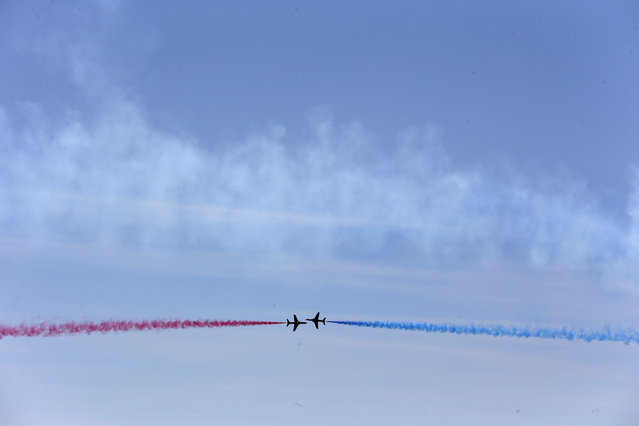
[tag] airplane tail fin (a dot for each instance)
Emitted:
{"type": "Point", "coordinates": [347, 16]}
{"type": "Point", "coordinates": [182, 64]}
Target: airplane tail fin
{"type": "Point", "coordinates": [323, 321]}
{"type": "Point", "coordinates": [288, 322]}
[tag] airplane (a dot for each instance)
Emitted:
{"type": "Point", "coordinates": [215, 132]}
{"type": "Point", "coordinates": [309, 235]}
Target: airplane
{"type": "Point", "coordinates": [295, 322]}
{"type": "Point", "coordinates": [316, 320]}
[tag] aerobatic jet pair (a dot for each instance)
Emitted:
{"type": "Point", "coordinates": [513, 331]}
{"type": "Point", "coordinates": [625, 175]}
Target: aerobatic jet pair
{"type": "Point", "coordinates": [297, 322]}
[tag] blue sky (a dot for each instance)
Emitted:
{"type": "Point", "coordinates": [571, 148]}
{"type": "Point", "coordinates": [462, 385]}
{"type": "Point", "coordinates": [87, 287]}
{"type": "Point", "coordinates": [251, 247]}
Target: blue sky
{"type": "Point", "coordinates": [448, 162]}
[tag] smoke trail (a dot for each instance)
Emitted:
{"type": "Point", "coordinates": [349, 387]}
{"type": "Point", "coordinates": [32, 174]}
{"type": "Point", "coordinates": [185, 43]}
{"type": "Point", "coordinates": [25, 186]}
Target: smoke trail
{"type": "Point", "coordinates": [47, 329]}
{"type": "Point", "coordinates": [606, 334]}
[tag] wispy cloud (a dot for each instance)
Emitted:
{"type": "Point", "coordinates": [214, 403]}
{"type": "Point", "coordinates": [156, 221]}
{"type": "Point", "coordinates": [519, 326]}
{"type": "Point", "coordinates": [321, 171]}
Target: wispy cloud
{"type": "Point", "coordinates": [115, 178]}
{"type": "Point", "coordinates": [107, 175]}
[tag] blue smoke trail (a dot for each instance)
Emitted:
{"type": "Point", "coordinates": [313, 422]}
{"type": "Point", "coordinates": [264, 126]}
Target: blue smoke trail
{"type": "Point", "coordinates": [604, 335]}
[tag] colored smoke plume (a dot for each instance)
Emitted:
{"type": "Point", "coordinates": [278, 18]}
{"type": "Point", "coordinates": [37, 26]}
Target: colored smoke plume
{"type": "Point", "coordinates": [606, 334]}
{"type": "Point", "coordinates": [47, 329]}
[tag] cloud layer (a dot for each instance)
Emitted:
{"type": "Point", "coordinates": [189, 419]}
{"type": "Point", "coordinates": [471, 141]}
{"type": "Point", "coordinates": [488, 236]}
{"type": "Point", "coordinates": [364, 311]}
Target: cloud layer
{"type": "Point", "coordinates": [106, 175]}
{"type": "Point", "coordinates": [334, 190]}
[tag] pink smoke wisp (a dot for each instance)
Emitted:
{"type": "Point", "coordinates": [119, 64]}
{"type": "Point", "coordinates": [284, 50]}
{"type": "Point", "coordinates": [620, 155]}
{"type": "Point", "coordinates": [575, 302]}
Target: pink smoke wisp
{"type": "Point", "coordinates": [48, 329]}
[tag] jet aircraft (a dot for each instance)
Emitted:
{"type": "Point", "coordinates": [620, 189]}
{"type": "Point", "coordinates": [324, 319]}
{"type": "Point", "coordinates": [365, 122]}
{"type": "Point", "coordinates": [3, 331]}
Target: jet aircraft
{"type": "Point", "coordinates": [316, 320]}
{"type": "Point", "coordinates": [295, 322]}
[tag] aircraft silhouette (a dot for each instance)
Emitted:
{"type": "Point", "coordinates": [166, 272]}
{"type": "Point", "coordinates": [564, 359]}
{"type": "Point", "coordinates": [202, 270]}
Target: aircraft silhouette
{"type": "Point", "coordinates": [316, 320]}
{"type": "Point", "coordinates": [295, 322]}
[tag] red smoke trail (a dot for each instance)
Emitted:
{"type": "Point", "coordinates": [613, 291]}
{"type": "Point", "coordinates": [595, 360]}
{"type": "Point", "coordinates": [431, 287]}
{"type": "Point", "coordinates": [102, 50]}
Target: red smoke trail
{"type": "Point", "coordinates": [46, 329]}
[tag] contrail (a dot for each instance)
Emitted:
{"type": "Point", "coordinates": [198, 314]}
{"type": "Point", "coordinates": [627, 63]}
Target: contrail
{"type": "Point", "coordinates": [603, 335]}
{"type": "Point", "coordinates": [48, 329]}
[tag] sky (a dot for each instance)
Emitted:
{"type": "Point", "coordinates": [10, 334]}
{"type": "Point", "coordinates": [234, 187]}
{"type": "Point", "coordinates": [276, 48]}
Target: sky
{"type": "Point", "coordinates": [448, 162]}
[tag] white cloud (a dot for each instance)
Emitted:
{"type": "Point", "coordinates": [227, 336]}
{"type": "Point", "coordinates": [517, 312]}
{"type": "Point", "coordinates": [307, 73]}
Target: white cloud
{"type": "Point", "coordinates": [623, 271]}
{"type": "Point", "coordinates": [106, 175]}
{"type": "Point", "coordinates": [340, 191]}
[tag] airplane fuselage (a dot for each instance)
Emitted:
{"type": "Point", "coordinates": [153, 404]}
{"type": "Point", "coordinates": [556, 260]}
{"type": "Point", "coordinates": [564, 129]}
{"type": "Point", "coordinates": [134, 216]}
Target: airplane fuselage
{"type": "Point", "coordinates": [295, 322]}
{"type": "Point", "coordinates": [316, 320]}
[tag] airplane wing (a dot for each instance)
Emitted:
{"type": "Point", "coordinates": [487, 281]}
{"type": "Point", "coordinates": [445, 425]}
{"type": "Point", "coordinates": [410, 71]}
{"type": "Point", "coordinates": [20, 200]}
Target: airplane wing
{"type": "Point", "coordinates": [315, 320]}
{"type": "Point", "coordinates": [295, 325]}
